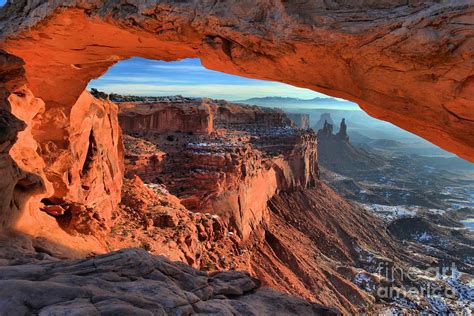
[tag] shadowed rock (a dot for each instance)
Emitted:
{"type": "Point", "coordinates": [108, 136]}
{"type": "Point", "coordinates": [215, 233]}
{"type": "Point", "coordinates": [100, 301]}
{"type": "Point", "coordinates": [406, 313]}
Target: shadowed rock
{"type": "Point", "coordinates": [132, 282]}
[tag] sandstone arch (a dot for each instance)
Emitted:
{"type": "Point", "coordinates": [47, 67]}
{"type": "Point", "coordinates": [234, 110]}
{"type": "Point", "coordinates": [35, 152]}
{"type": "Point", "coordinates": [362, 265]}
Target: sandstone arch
{"type": "Point", "coordinates": [407, 62]}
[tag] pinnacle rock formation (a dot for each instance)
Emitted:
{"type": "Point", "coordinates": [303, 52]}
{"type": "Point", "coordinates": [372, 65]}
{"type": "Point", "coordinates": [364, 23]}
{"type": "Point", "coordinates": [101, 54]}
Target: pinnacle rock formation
{"type": "Point", "coordinates": [324, 117]}
{"type": "Point", "coordinates": [342, 134]}
{"type": "Point", "coordinates": [336, 153]}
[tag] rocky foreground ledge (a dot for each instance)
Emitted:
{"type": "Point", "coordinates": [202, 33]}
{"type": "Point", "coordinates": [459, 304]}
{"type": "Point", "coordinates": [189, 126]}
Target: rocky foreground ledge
{"type": "Point", "coordinates": [133, 282]}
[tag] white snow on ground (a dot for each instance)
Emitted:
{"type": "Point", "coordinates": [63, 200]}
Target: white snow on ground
{"type": "Point", "coordinates": [424, 237]}
{"type": "Point", "coordinates": [364, 281]}
{"type": "Point", "coordinates": [438, 304]}
{"type": "Point", "coordinates": [390, 212]}
{"type": "Point", "coordinates": [436, 211]}
{"type": "Point", "coordinates": [159, 188]}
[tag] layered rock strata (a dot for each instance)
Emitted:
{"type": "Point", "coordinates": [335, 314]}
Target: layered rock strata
{"type": "Point", "coordinates": [414, 71]}
{"type": "Point", "coordinates": [178, 117]}
{"type": "Point", "coordinates": [252, 154]}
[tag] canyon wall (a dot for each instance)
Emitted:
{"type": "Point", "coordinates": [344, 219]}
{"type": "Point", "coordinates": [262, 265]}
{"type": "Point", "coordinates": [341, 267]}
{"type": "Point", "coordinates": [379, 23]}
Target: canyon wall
{"type": "Point", "coordinates": [165, 118]}
{"type": "Point", "coordinates": [248, 196]}
{"type": "Point", "coordinates": [62, 168]}
{"type": "Point", "coordinates": [252, 154]}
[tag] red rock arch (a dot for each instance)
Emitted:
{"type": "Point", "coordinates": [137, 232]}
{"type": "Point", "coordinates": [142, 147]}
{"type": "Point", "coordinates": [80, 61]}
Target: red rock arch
{"type": "Point", "coordinates": [407, 62]}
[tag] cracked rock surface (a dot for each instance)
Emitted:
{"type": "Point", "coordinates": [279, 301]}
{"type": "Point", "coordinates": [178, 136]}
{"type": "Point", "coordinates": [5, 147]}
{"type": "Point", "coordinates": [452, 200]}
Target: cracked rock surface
{"type": "Point", "coordinates": [133, 282]}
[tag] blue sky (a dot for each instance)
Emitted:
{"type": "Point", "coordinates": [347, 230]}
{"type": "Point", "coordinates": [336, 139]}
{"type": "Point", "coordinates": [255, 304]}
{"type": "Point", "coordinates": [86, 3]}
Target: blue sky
{"type": "Point", "coordinates": [137, 76]}
{"type": "Point", "coordinates": [2, 2]}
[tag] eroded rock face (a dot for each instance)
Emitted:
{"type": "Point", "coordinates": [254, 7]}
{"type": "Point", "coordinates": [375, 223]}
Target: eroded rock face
{"type": "Point", "coordinates": [20, 165]}
{"type": "Point", "coordinates": [251, 154]}
{"type": "Point", "coordinates": [410, 63]}
{"type": "Point", "coordinates": [185, 117]}
{"type": "Point", "coordinates": [133, 282]}
{"type": "Point", "coordinates": [83, 152]}
{"type": "Point", "coordinates": [67, 163]}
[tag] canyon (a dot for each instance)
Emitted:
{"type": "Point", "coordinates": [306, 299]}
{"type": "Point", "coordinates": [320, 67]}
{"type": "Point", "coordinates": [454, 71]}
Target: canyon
{"type": "Point", "coordinates": [417, 201]}
{"type": "Point", "coordinates": [212, 184]}
{"type": "Point", "coordinates": [230, 187]}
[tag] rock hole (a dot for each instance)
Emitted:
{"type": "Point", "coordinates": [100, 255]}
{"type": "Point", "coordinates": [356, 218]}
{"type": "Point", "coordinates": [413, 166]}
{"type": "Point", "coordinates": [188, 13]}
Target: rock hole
{"type": "Point", "coordinates": [47, 202]}
{"type": "Point", "coordinates": [91, 152]}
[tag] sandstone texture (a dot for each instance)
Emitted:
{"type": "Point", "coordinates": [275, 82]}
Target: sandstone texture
{"type": "Point", "coordinates": [223, 186]}
{"type": "Point", "coordinates": [410, 63]}
{"type": "Point", "coordinates": [62, 168]}
{"type": "Point", "coordinates": [182, 117]}
{"type": "Point", "coordinates": [78, 159]}
{"type": "Point", "coordinates": [407, 63]}
{"type": "Point", "coordinates": [132, 282]}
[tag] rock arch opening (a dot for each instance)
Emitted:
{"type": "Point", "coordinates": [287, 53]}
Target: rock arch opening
{"type": "Point", "coordinates": [403, 73]}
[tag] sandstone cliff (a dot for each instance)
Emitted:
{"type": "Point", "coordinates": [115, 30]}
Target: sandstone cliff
{"type": "Point", "coordinates": [414, 70]}
{"type": "Point", "coordinates": [182, 117]}
{"type": "Point", "coordinates": [409, 63]}
{"type": "Point", "coordinates": [252, 154]}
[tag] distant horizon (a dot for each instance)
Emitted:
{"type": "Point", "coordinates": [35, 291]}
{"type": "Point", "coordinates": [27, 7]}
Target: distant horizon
{"type": "Point", "coordinates": [348, 106]}
{"type": "Point", "coordinates": [187, 77]}
{"type": "Point", "coordinates": [189, 96]}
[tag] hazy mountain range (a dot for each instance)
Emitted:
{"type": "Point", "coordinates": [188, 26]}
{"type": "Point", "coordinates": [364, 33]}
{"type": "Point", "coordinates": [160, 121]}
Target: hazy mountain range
{"type": "Point", "coordinates": [296, 103]}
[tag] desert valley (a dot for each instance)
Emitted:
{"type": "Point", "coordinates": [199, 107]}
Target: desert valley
{"type": "Point", "coordinates": [155, 186]}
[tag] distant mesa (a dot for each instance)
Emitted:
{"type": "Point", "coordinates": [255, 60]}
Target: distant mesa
{"type": "Point", "coordinates": [118, 98]}
{"type": "Point", "coordinates": [325, 117]}
{"type": "Point", "coordinates": [299, 119]}
{"type": "Point", "coordinates": [386, 143]}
